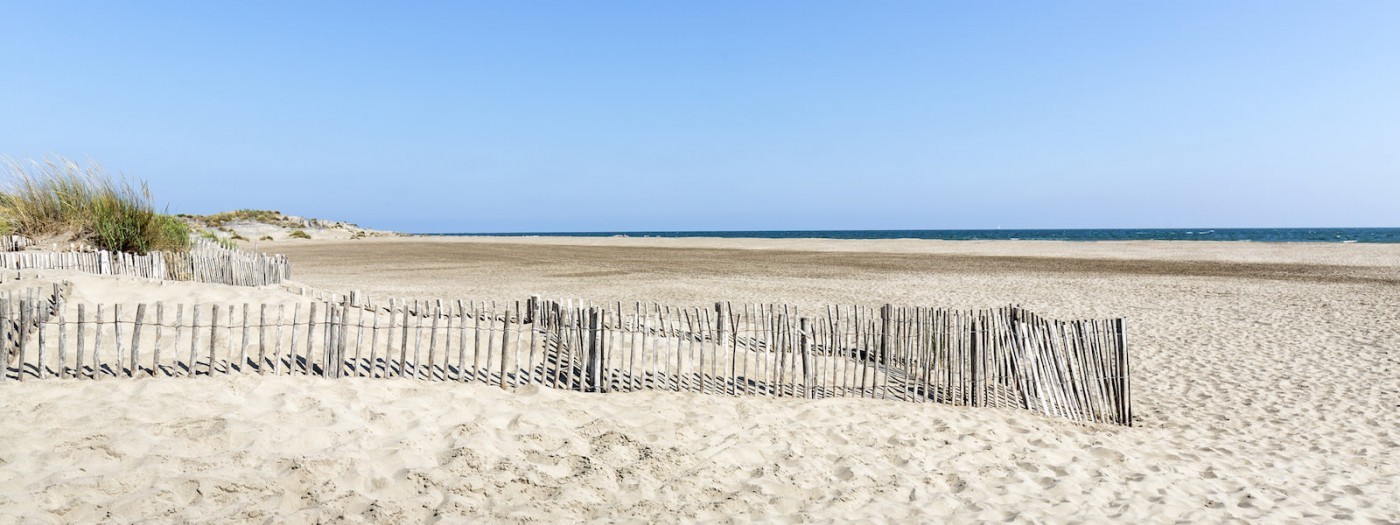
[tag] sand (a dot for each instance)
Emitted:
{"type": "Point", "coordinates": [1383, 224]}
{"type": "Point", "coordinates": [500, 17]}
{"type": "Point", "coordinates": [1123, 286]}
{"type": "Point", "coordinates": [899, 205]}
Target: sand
{"type": "Point", "coordinates": [1266, 381]}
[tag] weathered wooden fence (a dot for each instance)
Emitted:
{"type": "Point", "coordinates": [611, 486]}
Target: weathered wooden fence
{"type": "Point", "coordinates": [206, 262]}
{"type": "Point", "coordinates": [1005, 357]}
{"type": "Point", "coordinates": [10, 243]}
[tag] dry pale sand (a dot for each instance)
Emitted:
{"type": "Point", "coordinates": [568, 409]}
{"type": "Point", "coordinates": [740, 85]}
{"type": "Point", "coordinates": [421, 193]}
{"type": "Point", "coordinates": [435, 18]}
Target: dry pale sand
{"type": "Point", "coordinates": [1267, 383]}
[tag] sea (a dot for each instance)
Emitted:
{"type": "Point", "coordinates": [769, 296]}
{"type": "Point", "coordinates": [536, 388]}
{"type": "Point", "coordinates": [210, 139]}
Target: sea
{"type": "Point", "coordinates": [1342, 235]}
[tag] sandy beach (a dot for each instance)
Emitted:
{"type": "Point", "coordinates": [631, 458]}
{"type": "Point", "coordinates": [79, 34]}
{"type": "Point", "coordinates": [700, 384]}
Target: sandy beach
{"type": "Point", "coordinates": [1266, 380]}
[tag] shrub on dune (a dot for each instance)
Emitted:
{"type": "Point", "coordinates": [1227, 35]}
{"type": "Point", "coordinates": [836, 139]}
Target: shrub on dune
{"type": "Point", "coordinates": [58, 197]}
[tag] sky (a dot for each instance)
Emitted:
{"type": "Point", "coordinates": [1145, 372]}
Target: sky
{"type": "Point", "coordinates": [635, 116]}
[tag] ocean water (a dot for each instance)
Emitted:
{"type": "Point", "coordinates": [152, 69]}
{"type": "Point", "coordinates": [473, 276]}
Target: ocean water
{"type": "Point", "coordinates": [1345, 235]}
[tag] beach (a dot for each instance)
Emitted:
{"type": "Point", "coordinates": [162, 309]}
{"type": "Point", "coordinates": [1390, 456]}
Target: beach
{"type": "Point", "coordinates": [1266, 379]}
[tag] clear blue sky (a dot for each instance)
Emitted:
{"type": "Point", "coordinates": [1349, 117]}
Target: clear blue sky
{"type": "Point", "coordinates": [585, 116]}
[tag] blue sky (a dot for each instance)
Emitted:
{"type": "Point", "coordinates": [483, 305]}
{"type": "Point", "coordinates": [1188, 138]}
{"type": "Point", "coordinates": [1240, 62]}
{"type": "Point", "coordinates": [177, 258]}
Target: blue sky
{"type": "Point", "coordinates": [577, 116]}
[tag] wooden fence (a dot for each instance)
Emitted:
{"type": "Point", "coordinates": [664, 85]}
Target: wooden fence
{"type": "Point", "coordinates": [205, 262]}
{"type": "Point", "coordinates": [1005, 357]}
{"type": "Point", "coordinates": [12, 243]}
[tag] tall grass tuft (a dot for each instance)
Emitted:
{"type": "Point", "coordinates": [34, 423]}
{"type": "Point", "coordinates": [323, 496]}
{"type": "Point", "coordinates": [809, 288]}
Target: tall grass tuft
{"type": "Point", "coordinates": [58, 197]}
{"type": "Point", "coordinates": [221, 241]}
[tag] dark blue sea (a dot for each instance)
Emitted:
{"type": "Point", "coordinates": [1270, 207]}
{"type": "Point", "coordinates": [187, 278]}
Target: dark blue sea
{"type": "Point", "coordinates": [1348, 235]}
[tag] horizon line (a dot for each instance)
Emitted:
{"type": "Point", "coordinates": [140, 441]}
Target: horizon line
{"type": "Point", "coordinates": [1156, 228]}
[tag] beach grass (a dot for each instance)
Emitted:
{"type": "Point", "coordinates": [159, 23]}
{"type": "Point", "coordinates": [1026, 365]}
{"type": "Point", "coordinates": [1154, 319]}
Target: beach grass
{"type": "Point", "coordinates": [58, 197]}
{"type": "Point", "coordinates": [226, 242]}
{"type": "Point", "coordinates": [222, 219]}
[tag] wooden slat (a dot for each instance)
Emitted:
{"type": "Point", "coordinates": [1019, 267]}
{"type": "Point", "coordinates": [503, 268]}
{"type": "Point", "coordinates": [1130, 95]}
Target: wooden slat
{"type": "Point", "coordinates": [432, 340]}
{"type": "Point", "coordinates": [160, 329]}
{"type": "Point", "coordinates": [374, 344]}
{"type": "Point", "coordinates": [418, 338]}
{"type": "Point", "coordinates": [306, 368]}
{"type": "Point", "coordinates": [39, 369]}
{"type": "Point", "coordinates": [476, 345]}
{"type": "Point", "coordinates": [117, 338]}
{"type": "Point", "coordinates": [96, 345]}
{"type": "Point", "coordinates": [356, 364]}
{"type": "Point", "coordinates": [213, 338]}
{"type": "Point", "coordinates": [136, 339]}
{"type": "Point", "coordinates": [461, 341]}
{"type": "Point", "coordinates": [403, 340]}
{"type": "Point", "coordinates": [277, 339]}
{"type": "Point", "coordinates": [243, 343]}
{"type": "Point", "coordinates": [505, 342]}
{"type": "Point", "coordinates": [389, 339]}
{"type": "Point", "coordinates": [25, 317]}
{"type": "Point", "coordinates": [534, 310]}
{"type": "Point", "coordinates": [194, 338]}
{"type": "Point", "coordinates": [62, 343]}
{"type": "Point", "coordinates": [519, 325]}
{"type": "Point", "coordinates": [1126, 400]}
{"type": "Point", "coordinates": [262, 339]}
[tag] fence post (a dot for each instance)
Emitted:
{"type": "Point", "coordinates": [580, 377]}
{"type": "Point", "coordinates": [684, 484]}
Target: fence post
{"type": "Point", "coordinates": [328, 335]}
{"type": "Point", "coordinates": [42, 322]}
{"type": "Point", "coordinates": [194, 335]}
{"type": "Point", "coordinates": [306, 366]}
{"type": "Point", "coordinates": [590, 348]}
{"type": "Point", "coordinates": [262, 339]}
{"type": "Point", "coordinates": [886, 322]}
{"type": "Point", "coordinates": [341, 340]}
{"type": "Point", "coordinates": [603, 347]}
{"type": "Point", "coordinates": [886, 341]}
{"type": "Point", "coordinates": [213, 337]}
{"type": "Point", "coordinates": [5, 340]}
{"type": "Point", "coordinates": [722, 323]}
{"type": "Point", "coordinates": [972, 359]}
{"type": "Point", "coordinates": [333, 349]}
{"type": "Point", "coordinates": [62, 343]}
{"type": "Point", "coordinates": [1126, 400]}
{"type": "Point", "coordinates": [136, 339]}
{"type": "Point", "coordinates": [505, 342]}
{"type": "Point", "coordinates": [805, 343]}
{"type": "Point", "coordinates": [24, 318]}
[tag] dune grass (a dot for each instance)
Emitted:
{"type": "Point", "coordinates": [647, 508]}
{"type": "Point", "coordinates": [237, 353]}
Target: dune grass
{"type": "Point", "coordinates": [225, 242]}
{"type": "Point", "coordinates": [219, 220]}
{"type": "Point", "coordinates": [58, 197]}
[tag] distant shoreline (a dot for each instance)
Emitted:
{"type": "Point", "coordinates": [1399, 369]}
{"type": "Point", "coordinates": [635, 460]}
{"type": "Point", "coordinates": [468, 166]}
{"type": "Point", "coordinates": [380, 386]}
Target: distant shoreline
{"type": "Point", "coordinates": [1312, 235]}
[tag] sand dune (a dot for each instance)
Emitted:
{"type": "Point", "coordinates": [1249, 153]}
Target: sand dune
{"type": "Point", "coordinates": [1266, 385]}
